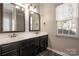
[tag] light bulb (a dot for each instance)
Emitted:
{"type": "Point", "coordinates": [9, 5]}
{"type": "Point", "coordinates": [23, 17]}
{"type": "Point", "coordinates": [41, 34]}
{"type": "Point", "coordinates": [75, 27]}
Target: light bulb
{"type": "Point", "coordinates": [35, 10]}
{"type": "Point", "coordinates": [20, 4]}
{"type": "Point", "coordinates": [22, 9]}
{"type": "Point", "coordinates": [26, 6]}
{"type": "Point", "coordinates": [32, 12]}
{"type": "Point", "coordinates": [31, 8]}
{"type": "Point", "coordinates": [17, 7]}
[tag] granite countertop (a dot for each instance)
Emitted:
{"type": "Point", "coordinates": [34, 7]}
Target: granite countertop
{"type": "Point", "coordinates": [19, 38]}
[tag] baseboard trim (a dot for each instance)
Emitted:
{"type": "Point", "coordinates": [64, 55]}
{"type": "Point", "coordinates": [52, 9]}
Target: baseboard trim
{"type": "Point", "coordinates": [58, 52]}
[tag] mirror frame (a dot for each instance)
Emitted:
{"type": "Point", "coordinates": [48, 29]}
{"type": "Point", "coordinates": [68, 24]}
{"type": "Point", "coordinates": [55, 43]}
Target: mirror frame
{"type": "Point", "coordinates": [29, 21]}
{"type": "Point", "coordinates": [2, 19]}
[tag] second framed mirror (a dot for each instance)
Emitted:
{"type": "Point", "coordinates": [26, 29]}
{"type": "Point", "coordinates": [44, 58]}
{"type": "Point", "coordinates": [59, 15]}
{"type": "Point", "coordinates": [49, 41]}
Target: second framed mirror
{"type": "Point", "coordinates": [34, 21]}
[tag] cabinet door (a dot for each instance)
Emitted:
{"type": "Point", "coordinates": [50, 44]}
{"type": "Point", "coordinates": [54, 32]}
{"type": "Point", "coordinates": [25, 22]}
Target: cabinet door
{"type": "Point", "coordinates": [10, 49]}
{"type": "Point", "coordinates": [43, 42]}
{"type": "Point", "coordinates": [36, 46]}
{"type": "Point", "coordinates": [26, 48]}
{"type": "Point", "coordinates": [46, 41]}
{"type": "Point", "coordinates": [0, 51]}
{"type": "Point", "coordinates": [25, 51]}
{"type": "Point", "coordinates": [1, 16]}
{"type": "Point", "coordinates": [11, 53]}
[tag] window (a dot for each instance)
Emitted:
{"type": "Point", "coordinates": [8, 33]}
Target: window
{"type": "Point", "coordinates": [66, 17]}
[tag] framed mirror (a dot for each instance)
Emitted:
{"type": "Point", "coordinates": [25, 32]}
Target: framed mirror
{"type": "Point", "coordinates": [34, 21]}
{"type": "Point", "coordinates": [12, 18]}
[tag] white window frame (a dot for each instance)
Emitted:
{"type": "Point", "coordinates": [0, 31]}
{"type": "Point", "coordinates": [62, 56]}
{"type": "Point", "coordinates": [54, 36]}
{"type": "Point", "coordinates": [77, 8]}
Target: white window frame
{"type": "Point", "coordinates": [68, 35]}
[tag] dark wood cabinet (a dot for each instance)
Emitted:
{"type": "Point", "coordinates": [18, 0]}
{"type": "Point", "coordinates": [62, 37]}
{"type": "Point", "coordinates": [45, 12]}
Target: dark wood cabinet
{"type": "Point", "coordinates": [46, 41]}
{"type": "Point", "coordinates": [0, 51]}
{"type": "Point", "coordinates": [11, 49]}
{"type": "Point", "coordinates": [27, 47]}
{"type": "Point", "coordinates": [35, 45]}
{"type": "Point", "coordinates": [14, 52]}
{"type": "Point", "coordinates": [1, 16]}
{"type": "Point", "coordinates": [43, 43]}
{"type": "Point", "coordinates": [27, 51]}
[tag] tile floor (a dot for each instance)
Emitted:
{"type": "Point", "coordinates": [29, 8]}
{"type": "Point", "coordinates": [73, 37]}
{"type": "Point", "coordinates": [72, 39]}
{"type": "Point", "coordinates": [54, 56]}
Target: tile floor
{"type": "Point", "coordinates": [48, 53]}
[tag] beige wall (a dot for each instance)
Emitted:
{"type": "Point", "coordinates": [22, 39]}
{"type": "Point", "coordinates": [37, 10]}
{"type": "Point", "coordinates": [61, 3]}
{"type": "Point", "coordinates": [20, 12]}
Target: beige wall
{"type": "Point", "coordinates": [64, 44]}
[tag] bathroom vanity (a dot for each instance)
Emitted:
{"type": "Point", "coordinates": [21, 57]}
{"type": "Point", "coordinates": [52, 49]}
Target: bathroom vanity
{"type": "Point", "coordinates": [12, 19]}
{"type": "Point", "coordinates": [25, 47]}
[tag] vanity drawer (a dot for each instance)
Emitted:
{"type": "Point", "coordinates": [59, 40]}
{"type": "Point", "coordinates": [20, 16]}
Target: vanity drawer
{"type": "Point", "coordinates": [10, 46]}
{"type": "Point", "coordinates": [11, 53]}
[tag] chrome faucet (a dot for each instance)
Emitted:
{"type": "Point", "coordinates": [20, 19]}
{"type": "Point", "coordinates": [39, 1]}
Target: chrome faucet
{"type": "Point", "coordinates": [12, 35]}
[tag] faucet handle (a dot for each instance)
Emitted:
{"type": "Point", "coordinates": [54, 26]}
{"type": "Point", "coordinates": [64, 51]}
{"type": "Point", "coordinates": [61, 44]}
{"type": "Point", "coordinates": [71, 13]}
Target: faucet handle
{"type": "Point", "coordinates": [12, 35]}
